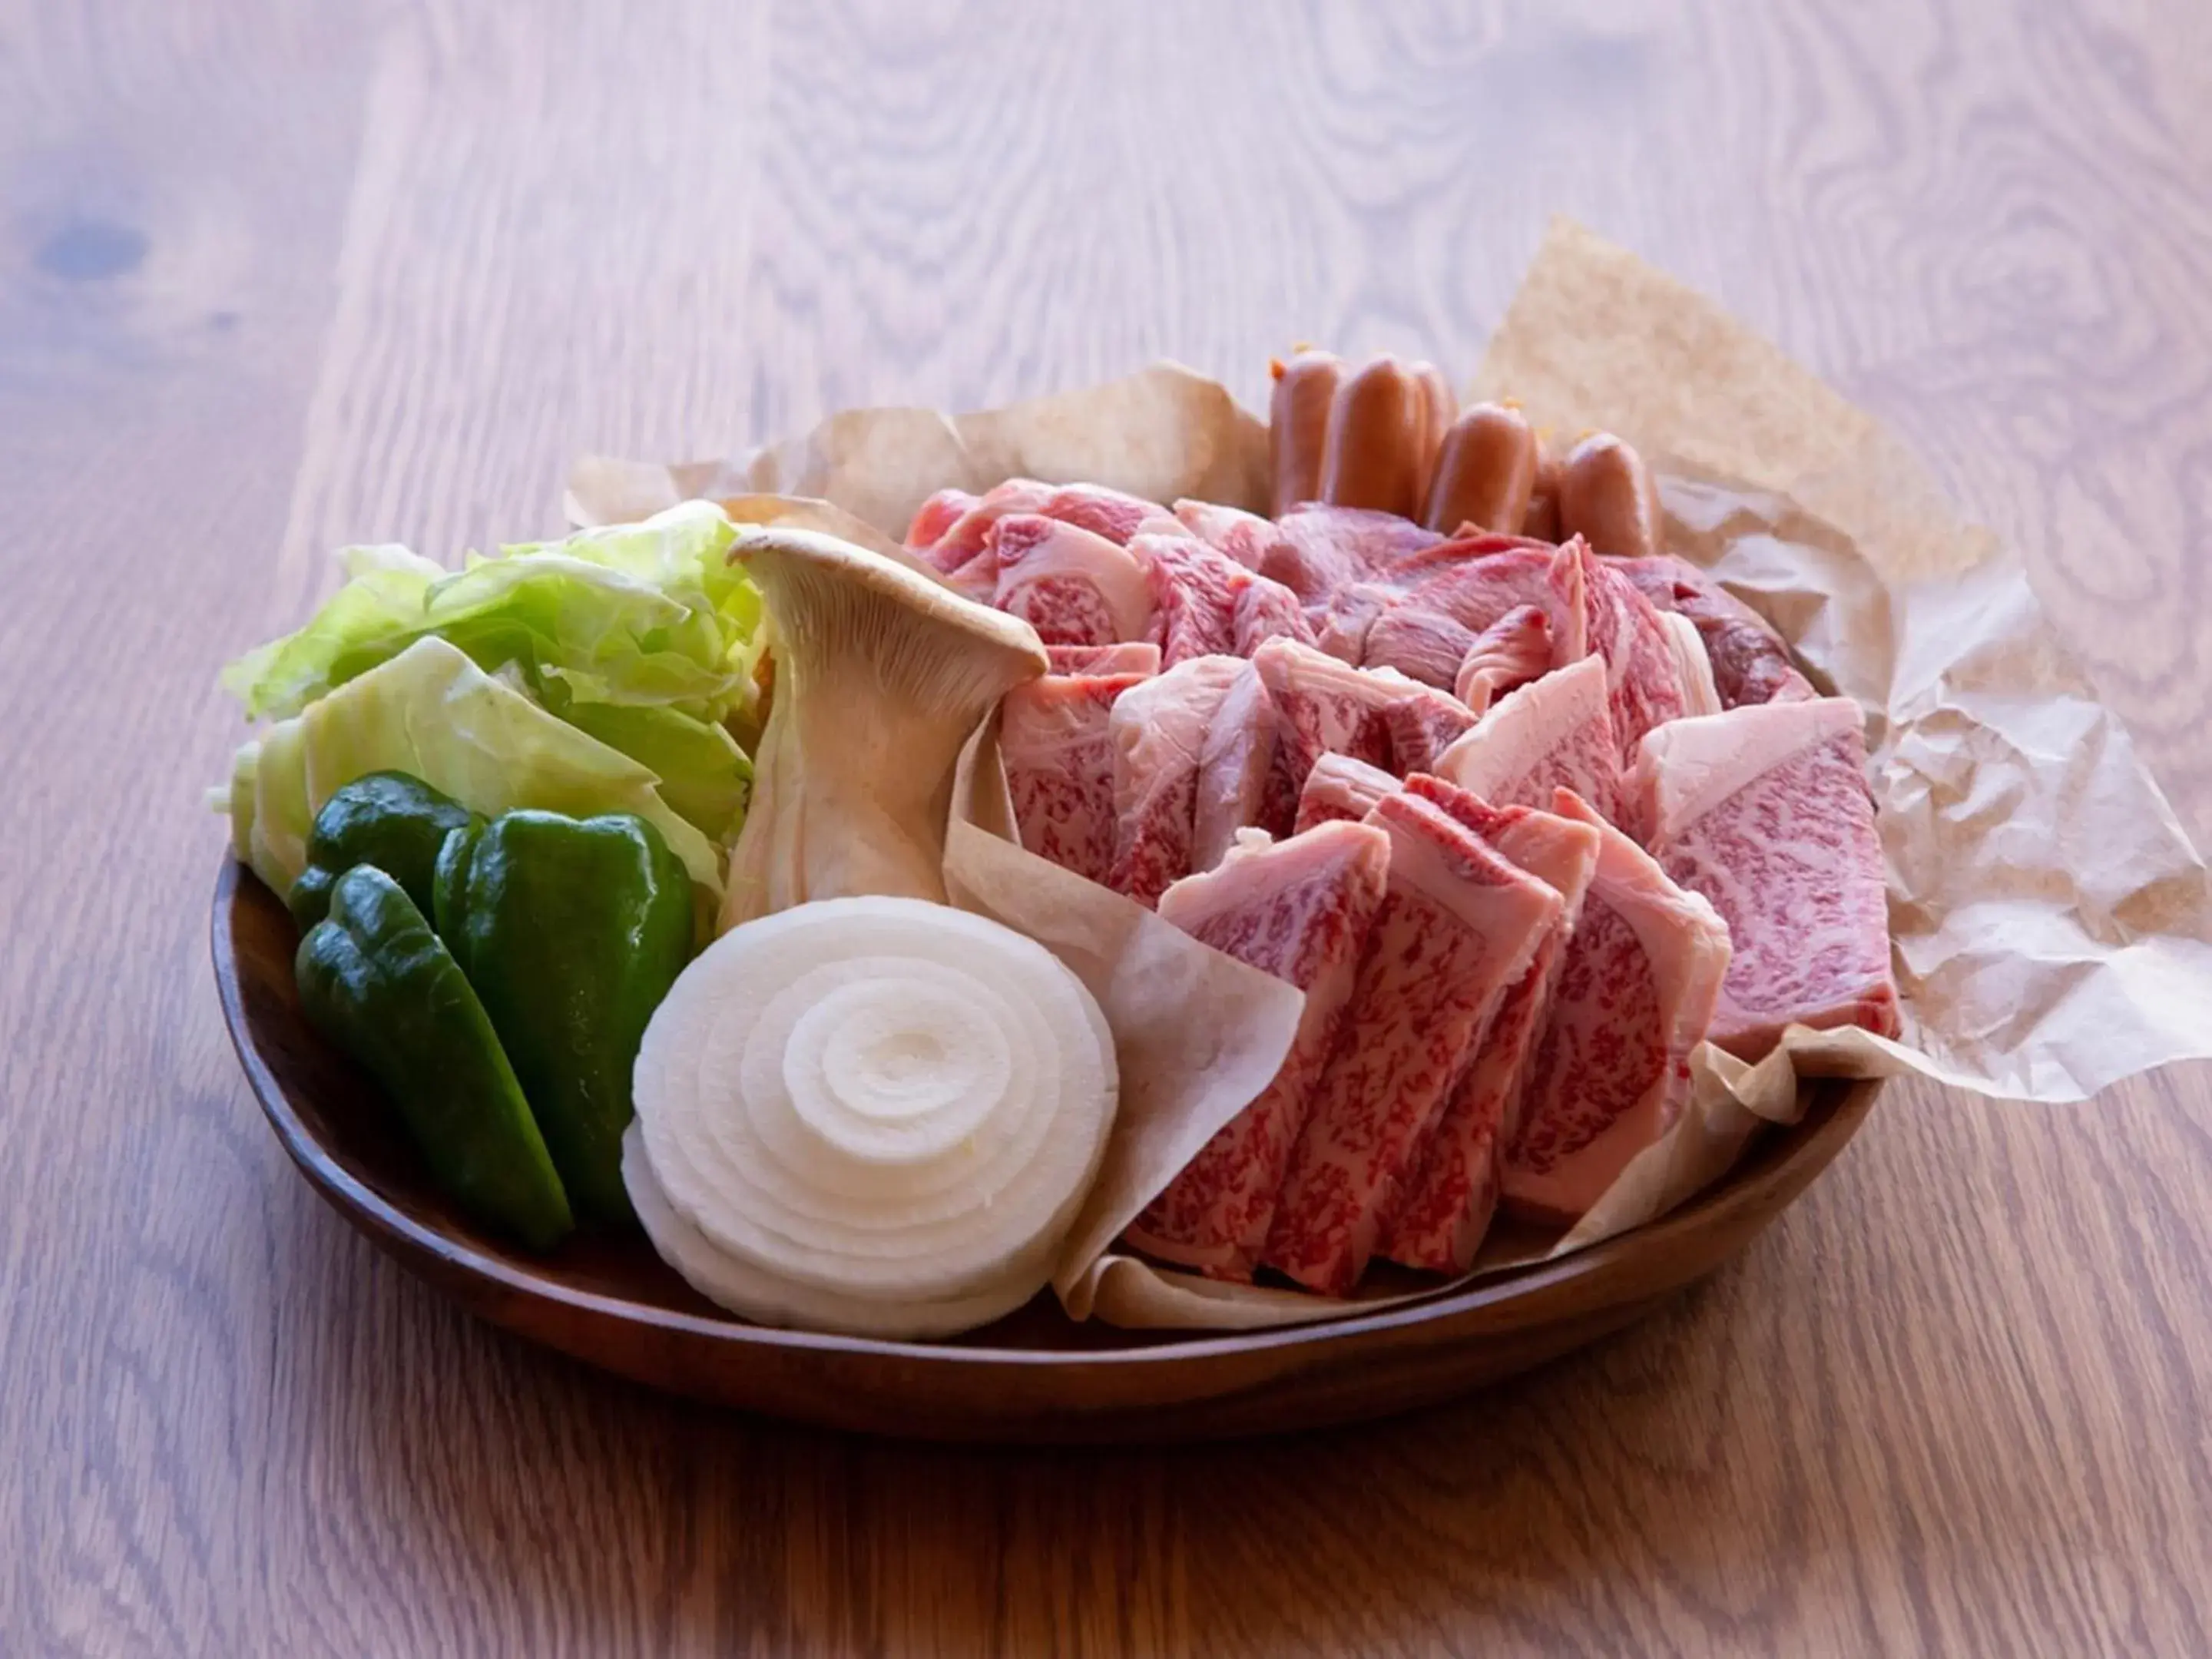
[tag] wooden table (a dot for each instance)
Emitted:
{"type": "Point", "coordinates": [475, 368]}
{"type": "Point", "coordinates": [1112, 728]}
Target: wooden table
{"type": "Point", "coordinates": [280, 276]}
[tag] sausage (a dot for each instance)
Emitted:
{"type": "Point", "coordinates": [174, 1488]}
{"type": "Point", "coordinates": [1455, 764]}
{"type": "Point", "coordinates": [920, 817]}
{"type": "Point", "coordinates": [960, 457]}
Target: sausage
{"type": "Point", "coordinates": [1297, 425]}
{"type": "Point", "coordinates": [1375, 432]}
{"type": "Point", "coordinates": [1608, 498]}
{"type": "Point", "coordinates": [1542, 519]}
{"type": "Point", "coordinates": [1439, 406]}
{"type": "Point", "coordinates": [1486, 472]}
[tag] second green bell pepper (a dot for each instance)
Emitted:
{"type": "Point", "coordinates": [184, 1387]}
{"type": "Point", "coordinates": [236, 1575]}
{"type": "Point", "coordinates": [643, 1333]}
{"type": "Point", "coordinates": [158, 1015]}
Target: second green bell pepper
{"type": "Point", "coordinates": [571, 930]}
{"type": "Point", "coordinates": [376, 981]}
{"type": "Point", "coordinates": [389, 819]}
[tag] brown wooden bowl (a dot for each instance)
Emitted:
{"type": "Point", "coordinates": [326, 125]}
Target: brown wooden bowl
{"type": "Point", "coordinates": [606, 1298]}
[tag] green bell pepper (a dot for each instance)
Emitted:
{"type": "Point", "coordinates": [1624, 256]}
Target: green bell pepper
{"type": "Point", "coordinates": [376, 981]}
{"type": "Point", "coordinates": [389, 819]}
{"type": "Point", "coordinates": [571, 930]}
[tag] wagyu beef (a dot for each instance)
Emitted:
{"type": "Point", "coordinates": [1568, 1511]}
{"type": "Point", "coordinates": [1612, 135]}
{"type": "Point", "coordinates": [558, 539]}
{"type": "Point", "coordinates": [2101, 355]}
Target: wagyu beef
{"type": "Point", "coordinates": [1193, 595]}
{"type": "Point", "coordinates": [1750, 663]}
{"type": "Point", "coordinates": [1109, 513]}
{"type": "Point", "coordinates": [1457, 925]}
{"type": "Point", "coordinates": [1446, 1208]}
{"type": "Point", "coordinates": [1236, 761]}
{"type": "Point", "coordinates": [1553, 733]}
{"type": "Point", "coordinates": [1416, 609]}
{"type": "Point", "coordinates": [1158, 732]}
{"type": "Point", "coordinates": [1072, 586]}
{"type": "Point", "coordinates": [1341, 625]}
{"type": "Point", "coordinates": [1319, 549]}
{"type": "Point", "coordinates": [1764, 811]}
{"type": "Point", "coordinates": [1267, 610]}
{"type": "Point", "coordinates": [1244, 537]}
{"type": "Point", "coordinates": [937, 515]}
{"type": "Point", "coordinates": [1204, 603]}
{"type": "Point", "coordinates": [1700, 695]}
{"type": "Point", "coordinates": [1420, 724]}
{"type": "Point", "coordinates": [1427, 630]}
{"type": "Point", "coordinates": [1644, 685]}
{"type": "Point", "coordinates": [1512, 651]}
{"type": "Point", "coordinates": [1324, 707]}
{"type": "Point", "coordinates": [1128, 656]}
{"type": "Point", "coordinates": [1299, 909]}
{"type": "Point", "coordinates": [1636, 991]}
{"type": "Point", "coordinates": [1340, 787]}
{"type": "Point", "coordinates": [958, 552]}
{"type": "Point", "coordinates": [1054, 737]}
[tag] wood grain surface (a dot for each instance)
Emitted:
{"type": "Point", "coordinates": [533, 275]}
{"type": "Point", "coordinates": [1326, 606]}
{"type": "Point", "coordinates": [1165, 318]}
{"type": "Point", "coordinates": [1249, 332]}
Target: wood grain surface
{"type": "Point", "coordinates": [276, 277]}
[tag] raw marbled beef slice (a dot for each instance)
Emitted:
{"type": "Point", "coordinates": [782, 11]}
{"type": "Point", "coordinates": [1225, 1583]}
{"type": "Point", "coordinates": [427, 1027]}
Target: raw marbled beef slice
{"type": "Point", "coordinates": [1422, 723]}
{"type": "Point", "coordinates": [1113, 513]}
{"type": "Point", "coordinates": [1054, 739]}
{"type": "Point", "coordinates": [1750, 662]}
{"type": "Point", "coordinates": [1072, 586]}
{"type": "Point", "coordinates": [1635, 995]}
{"type": "Point", "coordinates": [1447, 1208]}
{"type": "Point", "coordinates": [1418, 612]}
{"type": "Point", "coordinates": [1265, 611]}
{"type": "Point", "coordinates": [1458, 925]}
{"type": "Point", "coordinates": [1700, 695]}
{"type": "Point", "coordinates": [959, 553]}
{"type": "Point", "coordinates": [1323, 706]}
{"type": "Point", "coordinates": [1644, 684]}
{"type": "Point", "coordinates": [1206, 601]}
{"type": "Point", "coordinates": [1234, 763]}
{"type": "Point", "coordinates": [1128, 656]}
{"type": "Point", "coordinates": [1510, 653]}
{"type": "Point", "coordinates": [1244, 537]}
{"type": "Point", "coordinates": [1158, 731]}
{"type": "Point", "coordinates": [1341, 787]}
{"type": "Point", "coordinates": [1427, 630]}
{"type": "Point", "coordinates": [1299, 909]}
{"type": "Point", "coordinates": [1193, 594]}
{"type": "Point", "coordinates": [1319, 548]}
{"type": "Point", "coordinates": [1764, 811]}
{"type": "Point", "coordinates": [937, 515]}
{"type": "Point", "coordinates": [1553, 733]}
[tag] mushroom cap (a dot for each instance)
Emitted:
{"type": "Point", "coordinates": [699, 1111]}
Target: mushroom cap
{"type": "Point", "coordinates": [816, 580]}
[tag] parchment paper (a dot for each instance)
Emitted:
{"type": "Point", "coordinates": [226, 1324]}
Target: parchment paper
{"type": "Point", "coordinates": [1160, 433]}
{"type": "Point", "coordinates": [2051, 923]}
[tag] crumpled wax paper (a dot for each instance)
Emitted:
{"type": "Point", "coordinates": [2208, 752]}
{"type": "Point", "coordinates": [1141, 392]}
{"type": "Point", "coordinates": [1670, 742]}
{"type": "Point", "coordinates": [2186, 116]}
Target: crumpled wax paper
{"type": "Point", "coordinates": [2051, 923]}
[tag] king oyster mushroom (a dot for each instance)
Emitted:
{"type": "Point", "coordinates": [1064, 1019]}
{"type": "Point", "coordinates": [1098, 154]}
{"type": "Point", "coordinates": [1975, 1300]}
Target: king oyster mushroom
{"type": "Point", "coordinates": [882, 675]}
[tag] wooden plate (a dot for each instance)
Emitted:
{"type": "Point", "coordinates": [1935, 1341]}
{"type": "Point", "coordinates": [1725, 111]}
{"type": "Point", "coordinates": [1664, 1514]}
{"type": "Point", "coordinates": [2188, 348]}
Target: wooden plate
{"type": "Point", "coordinates": [1037, 1376]}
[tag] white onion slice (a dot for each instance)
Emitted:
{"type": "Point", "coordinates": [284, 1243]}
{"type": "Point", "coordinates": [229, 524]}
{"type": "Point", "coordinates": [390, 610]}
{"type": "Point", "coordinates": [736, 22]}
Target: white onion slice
{"type": "Point", "coordinates": [733, 1284]}
{"type": "Point", "coordinates": [871, 1103]}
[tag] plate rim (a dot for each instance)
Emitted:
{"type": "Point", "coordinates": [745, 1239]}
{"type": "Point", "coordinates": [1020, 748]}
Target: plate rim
{"type": "Point", "coordinates": [389, 1225]}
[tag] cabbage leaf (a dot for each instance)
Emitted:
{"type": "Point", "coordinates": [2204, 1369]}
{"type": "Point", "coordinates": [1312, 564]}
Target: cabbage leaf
{"type": "Point", "coordinates": [641, 635]}
{"type": "Point", "coordinates": [639, 614]}
{"type": "Point", "coordinates": [433, 713]}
